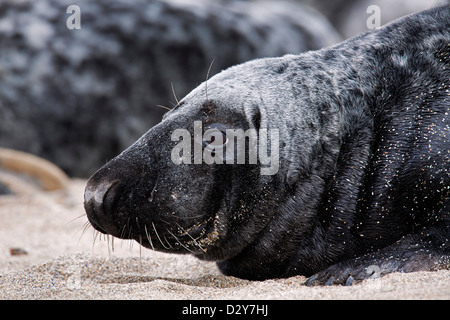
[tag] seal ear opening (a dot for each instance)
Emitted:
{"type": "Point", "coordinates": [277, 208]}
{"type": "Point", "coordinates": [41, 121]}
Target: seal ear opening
{"type": "Point", "coordinates": [254, 117]}
{"type": "Point", "coordinates": [256, 120]}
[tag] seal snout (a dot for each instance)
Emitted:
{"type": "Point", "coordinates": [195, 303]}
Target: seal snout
{"type": "Point", "coordinates": [99, 201]}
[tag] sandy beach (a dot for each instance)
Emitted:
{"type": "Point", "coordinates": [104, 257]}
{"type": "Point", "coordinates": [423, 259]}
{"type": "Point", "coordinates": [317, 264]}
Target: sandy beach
{"type": "Point", "coordinates": [47, 252]}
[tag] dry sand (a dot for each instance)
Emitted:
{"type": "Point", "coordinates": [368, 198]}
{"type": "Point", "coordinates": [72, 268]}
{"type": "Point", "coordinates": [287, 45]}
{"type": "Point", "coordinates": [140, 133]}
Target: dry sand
{"type": "Point", "coordinates": [63, 262]}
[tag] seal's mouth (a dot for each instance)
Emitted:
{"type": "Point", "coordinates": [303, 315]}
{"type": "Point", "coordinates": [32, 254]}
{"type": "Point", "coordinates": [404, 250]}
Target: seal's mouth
{"type": "Point", "coordinates": [196, 239]}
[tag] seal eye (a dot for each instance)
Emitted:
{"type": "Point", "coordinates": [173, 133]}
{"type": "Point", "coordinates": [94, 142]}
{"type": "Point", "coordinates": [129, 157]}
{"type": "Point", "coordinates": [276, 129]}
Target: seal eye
{"type": "Point", "coordinates": [215, 136]}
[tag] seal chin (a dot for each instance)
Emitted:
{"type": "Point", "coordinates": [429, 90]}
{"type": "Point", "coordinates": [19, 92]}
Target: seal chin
{"type": "Point", "coordinates": [197, 239]}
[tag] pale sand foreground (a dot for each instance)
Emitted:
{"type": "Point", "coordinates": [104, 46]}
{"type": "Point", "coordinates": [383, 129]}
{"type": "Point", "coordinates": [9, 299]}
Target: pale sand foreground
{"type": "Point", "coordinates": [62, 263]}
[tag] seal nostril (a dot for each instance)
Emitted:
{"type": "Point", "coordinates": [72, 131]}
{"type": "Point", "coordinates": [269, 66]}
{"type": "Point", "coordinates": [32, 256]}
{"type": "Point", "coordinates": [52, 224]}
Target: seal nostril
{"type": "Point", "coordinates": [96, 193]}
{"type": "Point", "coordinates": [99, 201]}
{"type": "Point", "coordinates": [111, 196]}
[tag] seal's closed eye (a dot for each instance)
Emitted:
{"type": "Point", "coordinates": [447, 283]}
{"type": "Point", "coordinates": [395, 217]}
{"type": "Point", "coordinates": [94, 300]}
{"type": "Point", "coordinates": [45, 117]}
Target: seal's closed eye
{"type": "Point", "coordinates": [215, 136]}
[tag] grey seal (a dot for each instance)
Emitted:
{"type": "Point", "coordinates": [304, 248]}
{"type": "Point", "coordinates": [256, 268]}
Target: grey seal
{"type": "Point", "coordinates": [363, 173]}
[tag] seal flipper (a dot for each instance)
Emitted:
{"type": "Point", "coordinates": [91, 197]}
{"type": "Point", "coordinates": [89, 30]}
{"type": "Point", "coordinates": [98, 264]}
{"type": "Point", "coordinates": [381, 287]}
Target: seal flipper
{"type": "Point", "coordinates": [427, 251]}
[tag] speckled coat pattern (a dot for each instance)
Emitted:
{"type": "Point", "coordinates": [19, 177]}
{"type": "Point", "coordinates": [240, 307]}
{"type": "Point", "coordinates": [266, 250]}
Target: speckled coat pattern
{"type": "Point", "coordinates": [364, 178]}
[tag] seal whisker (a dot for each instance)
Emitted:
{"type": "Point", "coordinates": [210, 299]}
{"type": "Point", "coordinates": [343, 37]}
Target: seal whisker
{"type": "Point", "coordinates": [193, 239]}
{"type": "Point", "coordinates": [86, 226]}
{"type": "Point", "coordinates": [178, 241]}
{"type": "Point", "coordinates": [207, 77]}
{"type": "Point", "coordinates": [123, 232]}
{"type": "Point", "coordinates": [157, 235]}
{"type": "Point", "coordinates": [148, 237]}
{"type": "Point", "coordinates": [126, 228]}
{"type": "Point", "coordinates": [167, 242]}
{"type": "Point", "coordinates": [129, 233]}
{"type": "Point", "coordinates": [95, 235]}
{"type": "Point", "coordinates": [107, 244]}
{"type": "Point", "coordinates": [79, 217]}
{"type": "Point", "coordinates": [130, 246]}
{"type": "Point", "coordinates": [164, 107]}
{"type": "Point", "coordinates": [83, 230]}
{"type": "Point", "coordinates": [174, 94]}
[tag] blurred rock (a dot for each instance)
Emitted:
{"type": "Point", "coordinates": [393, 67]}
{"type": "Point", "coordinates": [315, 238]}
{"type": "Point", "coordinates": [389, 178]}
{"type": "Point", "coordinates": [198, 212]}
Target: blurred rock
{"type": "Point", "coordinates": [349, 17]}
{"type": "Point", "coordinates": [20, 171]}
{"type": "Point", "coordinates": [17, 251]}
{"type": "Point", "coordinates": [78, 97]}
{"type": "Point", "coordinates": [4, 189]}
{"type": "Point", "coordinates": [354, 20]}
